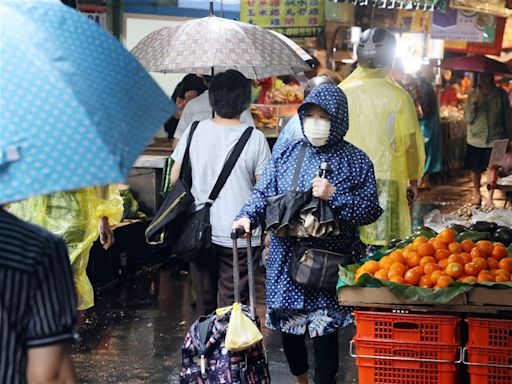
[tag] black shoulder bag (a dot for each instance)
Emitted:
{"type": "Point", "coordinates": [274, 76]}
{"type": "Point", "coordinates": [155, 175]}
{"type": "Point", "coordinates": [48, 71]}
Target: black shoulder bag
{"type": "Point", "coordinates": [176, 204]}
{"type": "Point", "coordinates": [196, 233]}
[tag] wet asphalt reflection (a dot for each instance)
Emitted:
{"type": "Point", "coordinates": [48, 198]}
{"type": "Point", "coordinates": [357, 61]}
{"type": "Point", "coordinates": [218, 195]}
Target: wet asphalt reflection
{"type": "Point", "coordinates": [134, 333]}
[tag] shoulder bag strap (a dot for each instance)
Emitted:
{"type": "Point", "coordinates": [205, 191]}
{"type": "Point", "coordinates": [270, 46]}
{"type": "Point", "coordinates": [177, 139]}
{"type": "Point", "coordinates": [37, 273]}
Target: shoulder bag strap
{"type": "Point", "coordinates": [298, 166]}
{"type": "Point", "coordinates": [229, 165]}
{"type": "Point", "coordinates": [186, 168]}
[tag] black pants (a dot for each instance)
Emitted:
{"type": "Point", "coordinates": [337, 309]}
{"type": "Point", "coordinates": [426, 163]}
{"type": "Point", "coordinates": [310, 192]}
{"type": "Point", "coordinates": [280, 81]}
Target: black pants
{"type": "Point", "coordinates": [325, 352]}
{"type": "Point", "coordinates": [212, 278]}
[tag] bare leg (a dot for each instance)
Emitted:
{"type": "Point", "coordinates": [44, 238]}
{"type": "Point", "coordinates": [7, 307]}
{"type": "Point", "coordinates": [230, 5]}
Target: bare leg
{"type": "Point", "coordinates": [488, 201]}
{"type": "Point", "coordinates": [475, 178]}
{"type": "Point", "coordinates": [302, 379]}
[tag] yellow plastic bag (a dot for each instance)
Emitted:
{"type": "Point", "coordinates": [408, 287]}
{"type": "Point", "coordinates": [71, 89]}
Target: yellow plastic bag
{"type": "Point", "coordinates": [242, 333]}
{"type": "Point", "coordinates": [74, 216]}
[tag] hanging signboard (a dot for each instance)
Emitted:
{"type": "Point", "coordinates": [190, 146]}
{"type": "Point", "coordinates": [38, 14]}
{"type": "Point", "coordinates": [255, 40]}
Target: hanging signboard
{"type": "Point", "coordinates": [493, 48]}
{"type": "Point", "coordinates": [291, 17]}
{"type": "Point", "coordinates": [453, 24]}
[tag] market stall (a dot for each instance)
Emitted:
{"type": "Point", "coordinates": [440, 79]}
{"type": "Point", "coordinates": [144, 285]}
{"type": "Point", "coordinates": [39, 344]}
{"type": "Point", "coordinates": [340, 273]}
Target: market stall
{"type": "Point", "coordinates": [436, 307]}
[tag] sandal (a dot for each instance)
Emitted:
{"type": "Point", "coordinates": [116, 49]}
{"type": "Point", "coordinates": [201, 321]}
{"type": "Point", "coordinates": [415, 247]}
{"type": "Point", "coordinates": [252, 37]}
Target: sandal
{"type": "Point", "coordinates": [476, 200]}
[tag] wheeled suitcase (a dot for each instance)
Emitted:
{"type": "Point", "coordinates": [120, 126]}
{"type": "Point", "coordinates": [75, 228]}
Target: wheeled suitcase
{"type": "Point", "coordinates": [205, 359]}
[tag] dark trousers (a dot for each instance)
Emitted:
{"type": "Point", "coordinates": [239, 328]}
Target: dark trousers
{"type": "Point", "coordinates": [212, 278]}
{"type": "Point", "coordinates": [325, 353]}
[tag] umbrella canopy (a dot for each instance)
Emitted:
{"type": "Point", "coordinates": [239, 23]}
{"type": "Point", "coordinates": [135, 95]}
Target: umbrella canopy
{"type": "Point", "coordinates": [75, 108]}
{"type": "Point", "coordinates": [215, 44]}
{"type": "Point", "coordinates": [293, 45]}
{"type": "Point", "coordinates": [477, 63]}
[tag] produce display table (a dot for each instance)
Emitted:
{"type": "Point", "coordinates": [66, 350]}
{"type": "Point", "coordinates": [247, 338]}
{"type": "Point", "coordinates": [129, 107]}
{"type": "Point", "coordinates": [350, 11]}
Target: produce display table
{"type": "Point", "coordinates": [478, 300]}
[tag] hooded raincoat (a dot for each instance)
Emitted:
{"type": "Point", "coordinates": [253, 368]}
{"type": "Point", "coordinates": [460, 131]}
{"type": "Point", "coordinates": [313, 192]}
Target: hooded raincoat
{"type": "Point", "coordinates": [383, 123]}
{"type": "Point", "coordinates": [292, 307]}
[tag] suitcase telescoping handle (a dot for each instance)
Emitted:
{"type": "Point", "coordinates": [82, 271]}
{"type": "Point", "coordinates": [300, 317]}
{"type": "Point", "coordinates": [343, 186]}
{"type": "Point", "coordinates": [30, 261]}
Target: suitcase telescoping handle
{"type": "Point", "coordinates": [235, 235]}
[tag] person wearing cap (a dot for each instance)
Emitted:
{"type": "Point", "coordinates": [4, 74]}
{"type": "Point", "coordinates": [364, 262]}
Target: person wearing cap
{"type": "Point", "coordinates": [384, 124]}
{"type": "Point", "coordinates": [349, 189]}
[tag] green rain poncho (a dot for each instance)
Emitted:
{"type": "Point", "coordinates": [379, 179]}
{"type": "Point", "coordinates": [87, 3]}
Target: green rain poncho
{"type": "Point", "coordinates": [74, 216]}
{"type": "Point", "coordinates": [383, 123]}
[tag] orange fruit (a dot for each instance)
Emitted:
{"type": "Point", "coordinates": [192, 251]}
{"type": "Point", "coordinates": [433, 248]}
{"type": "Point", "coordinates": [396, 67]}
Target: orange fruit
{"type": "Point", "coordinates": [426, 249]}
{"type": "Point", "coordinates": [485, 276]}
{"type": "Point", "coordinates": [381, 274]}
{"type": "Point", "coordinates": [506, 263]}
{"type": "Point", "coordinates": [413, 260]}
{"type": "Point", "coordinates": [427, 259]}
{"type": "Point", "coordinates": [481, 262]}
{"type": "Point", "coordinates": [501, 279]}
{"type": "Point", "coordinates": [371, 266]}
{"type": "Point", "coordinates": [385, 262]}
{"type": "Point", "coordinates": [455, 258]}
{"type": "Point", "coordinates": [471, 269]}
{"type": "Point", "coordinates": [455, 247]}
{"type": "Point", "coordinates": [499, 252]}
{"type": "Point", "coordinates": [454, 270]}
{"type": "Point", "coordinates": [485, 246]}
{"type": "Point", "coordinates": [447, 235]}
{"type": "Point", "coordinates": [430, 267]}
{"type": "Point", "coordinates": [425, 282]}
{"type": "Point", "coordinates": [441, 254]}
{"type": "Point", "coordinates": [503, 272]}
{"type": "Point", "coordinates": [466, 257]}
{"type": "Point", "coordinates": [396, 269]}
{"type": "Point", "coordinates": [420, 240]}
{"type": "Point", "coordinates": [439, 244]}
{"type": "Point", "coordinates": [397, 256]}
{"type": "Point", "coordinates": [467, 245]}
{"type": "Point", "coordinates": [444, 281]}
{"type": "Point", "coordinates": [434, 276]}
{"type": "Point", "coordinates": [469, 279]}
{"type": "Point", "coordinates": [476, 252]}
{"type": "Point", "coordinates": [492, 263]}
{"type": "Point", "coordinates": [443, 263]}
{"type": "Point", "coordinates": [412, 277]}
{"type": "Point", "coordinates": [397, 279]}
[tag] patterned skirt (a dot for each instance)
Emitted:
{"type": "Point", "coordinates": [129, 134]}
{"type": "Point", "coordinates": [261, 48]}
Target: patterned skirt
{"type": "Point", "coordinates": [319, 322]}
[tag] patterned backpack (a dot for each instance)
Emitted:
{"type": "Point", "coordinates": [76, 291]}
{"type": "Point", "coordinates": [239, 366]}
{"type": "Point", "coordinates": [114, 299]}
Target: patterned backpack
{"type": "Point", "coordinates": [205, 360]}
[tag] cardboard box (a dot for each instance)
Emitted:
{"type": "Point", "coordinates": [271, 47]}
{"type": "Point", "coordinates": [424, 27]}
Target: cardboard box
{"type": "Point", "coordinates": [363, 296]}
{"type": "Point", "coordinates": [486, 296]}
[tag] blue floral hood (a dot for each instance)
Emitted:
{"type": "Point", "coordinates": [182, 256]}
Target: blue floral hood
{"type": "Point", "coordinates": [333, 101]}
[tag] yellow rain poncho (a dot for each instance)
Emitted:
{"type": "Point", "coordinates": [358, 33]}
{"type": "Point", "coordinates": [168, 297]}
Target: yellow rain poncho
{"type": "Point", "coordinates": [383, 123]}
{"type": "Point", "coordinates": [74, 216]}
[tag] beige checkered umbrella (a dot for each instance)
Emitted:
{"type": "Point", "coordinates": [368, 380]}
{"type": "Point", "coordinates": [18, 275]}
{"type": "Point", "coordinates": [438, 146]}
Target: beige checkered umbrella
{"type": "Point", "coordinates": [213, 43]}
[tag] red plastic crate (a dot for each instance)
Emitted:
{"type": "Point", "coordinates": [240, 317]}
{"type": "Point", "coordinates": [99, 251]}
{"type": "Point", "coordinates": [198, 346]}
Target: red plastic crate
{"type": "Point", "coordinates": [379, 362]}
{"type": "Point", "coordinates": [489, 333]}
{"type": "Point", "coordinates": [407, 327]}
{"type": "Point", "coordinates": [496, 368]}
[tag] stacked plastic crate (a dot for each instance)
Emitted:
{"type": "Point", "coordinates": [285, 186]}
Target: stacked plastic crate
{"type": "Point", "coordinates": [395, 348]}
{"type": "Point", "coordinates": [488, 352]}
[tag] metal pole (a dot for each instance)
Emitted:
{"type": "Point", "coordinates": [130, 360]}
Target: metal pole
{"type": "Point", "coordinates": [250, 272]}
{"type": "Point", "coordinates": [115, 17]}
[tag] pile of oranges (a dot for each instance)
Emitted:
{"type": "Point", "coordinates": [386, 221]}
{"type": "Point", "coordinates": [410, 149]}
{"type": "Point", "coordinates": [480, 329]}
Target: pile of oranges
{"type": "Point", "coordinates": [438, 262]}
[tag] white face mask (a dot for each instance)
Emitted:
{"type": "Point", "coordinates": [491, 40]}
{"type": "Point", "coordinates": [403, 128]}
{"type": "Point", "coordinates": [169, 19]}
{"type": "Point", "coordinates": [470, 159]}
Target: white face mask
{"type": "Point", "coordinates": [316, 130]}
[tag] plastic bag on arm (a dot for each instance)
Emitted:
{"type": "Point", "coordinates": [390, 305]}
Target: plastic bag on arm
{"type": "Point", "coordinates": [242, 333]}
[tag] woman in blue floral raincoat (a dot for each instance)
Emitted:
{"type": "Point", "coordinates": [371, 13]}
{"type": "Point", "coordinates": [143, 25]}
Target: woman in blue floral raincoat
{"type": "Point", "coordinates": [351, 192]}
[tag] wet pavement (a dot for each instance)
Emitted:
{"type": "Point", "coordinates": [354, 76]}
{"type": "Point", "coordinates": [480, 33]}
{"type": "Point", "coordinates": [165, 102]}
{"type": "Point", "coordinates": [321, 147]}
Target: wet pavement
{"type": "Point", "coordinates": [134, 333]}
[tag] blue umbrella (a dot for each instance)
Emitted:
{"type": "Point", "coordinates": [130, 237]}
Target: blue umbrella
{"type": "Point", "coordinates": [76, 108]}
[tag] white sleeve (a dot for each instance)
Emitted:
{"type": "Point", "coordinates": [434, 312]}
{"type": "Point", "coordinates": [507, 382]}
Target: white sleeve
{"type": "Point", "coordinates": [184, 122]}
{"type": "Point", "coordinates": [245, 117]}
{"type": "Point", "coordinates": [179, 151]}
{"type": "Point", "coordinates": [263, 154]}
